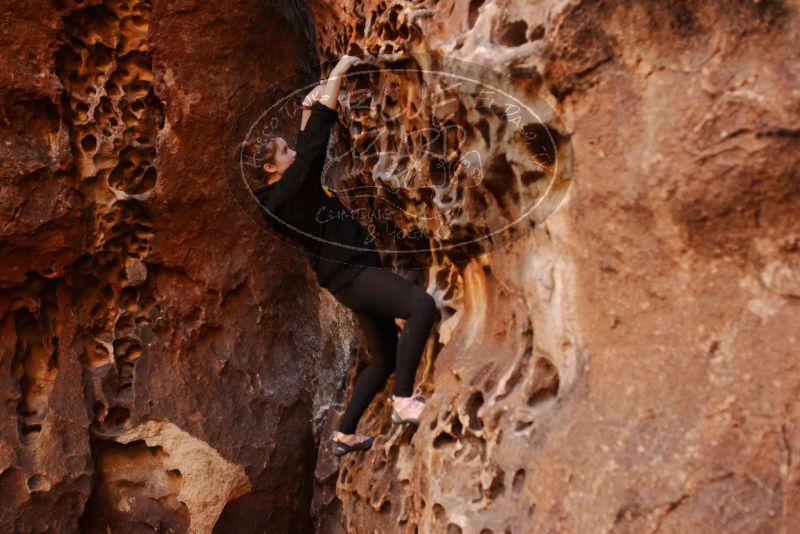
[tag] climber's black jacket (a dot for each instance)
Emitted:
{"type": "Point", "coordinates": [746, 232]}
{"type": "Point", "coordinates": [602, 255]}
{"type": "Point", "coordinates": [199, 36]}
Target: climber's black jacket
{"type": "Point", "coordinates": [298, 207]}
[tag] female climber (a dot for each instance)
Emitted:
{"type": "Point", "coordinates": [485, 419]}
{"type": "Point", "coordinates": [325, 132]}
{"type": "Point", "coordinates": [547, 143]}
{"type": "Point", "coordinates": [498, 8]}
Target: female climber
{"type": "Point", "coordinates": [344, 259]}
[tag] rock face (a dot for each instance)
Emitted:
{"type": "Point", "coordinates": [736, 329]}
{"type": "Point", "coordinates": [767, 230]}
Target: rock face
{"type": "Point", "coordinates": [161, 354]}
{"type": "Point", "coordinates": [626, 364]}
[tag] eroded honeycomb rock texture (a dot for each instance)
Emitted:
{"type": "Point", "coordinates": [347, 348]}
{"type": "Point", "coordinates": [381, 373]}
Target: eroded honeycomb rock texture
{"type": "Point", "coordinates": [160, 354]}
{"type": "Point", "coordinates": [630, 364]}
{"type": "Point", "coordinates": [627, 364]}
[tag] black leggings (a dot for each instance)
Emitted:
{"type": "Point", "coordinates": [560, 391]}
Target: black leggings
{"type": "Point", "coordinates": [377, 296]}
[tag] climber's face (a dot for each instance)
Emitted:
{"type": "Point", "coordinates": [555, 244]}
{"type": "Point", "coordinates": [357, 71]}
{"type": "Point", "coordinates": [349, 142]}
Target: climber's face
{"type": "Point", "coordinates": [284, 156]}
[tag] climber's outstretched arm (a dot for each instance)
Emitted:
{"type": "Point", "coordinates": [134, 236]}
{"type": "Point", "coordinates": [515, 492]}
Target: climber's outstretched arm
{"type": "Point", "coordinates": [327, 92]}
{"type": "Point", "coordinates": [330, 96]}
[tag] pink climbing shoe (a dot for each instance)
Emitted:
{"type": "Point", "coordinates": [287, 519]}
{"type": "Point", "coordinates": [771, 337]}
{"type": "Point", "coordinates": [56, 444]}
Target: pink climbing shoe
{"type": "Point", "coordinates": [410, 409]}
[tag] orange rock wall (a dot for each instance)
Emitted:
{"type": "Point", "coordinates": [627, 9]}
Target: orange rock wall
{"type": "Point", "coordinates": [631, 364]}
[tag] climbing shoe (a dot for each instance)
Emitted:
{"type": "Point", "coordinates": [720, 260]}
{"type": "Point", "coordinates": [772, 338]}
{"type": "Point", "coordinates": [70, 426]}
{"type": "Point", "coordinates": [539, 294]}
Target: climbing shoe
{"type": "Point", "coordinates": [413, 408]}
{"type": "Point", "coordinates": [341, 448]}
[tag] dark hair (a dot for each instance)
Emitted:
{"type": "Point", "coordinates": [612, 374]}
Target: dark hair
{"type": "Point", "coordinates": [257, 151]}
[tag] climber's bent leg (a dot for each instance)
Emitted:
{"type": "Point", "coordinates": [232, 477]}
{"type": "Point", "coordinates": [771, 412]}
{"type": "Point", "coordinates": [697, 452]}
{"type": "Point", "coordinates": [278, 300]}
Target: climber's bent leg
{"type": "Point", "coordinates": [381, 335]}
{"type": "Point", "coordinates": [381, 292]}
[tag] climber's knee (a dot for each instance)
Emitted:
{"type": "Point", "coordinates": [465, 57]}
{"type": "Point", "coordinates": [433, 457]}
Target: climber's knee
{"type": "Point", "coordinates": [425, 307]}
